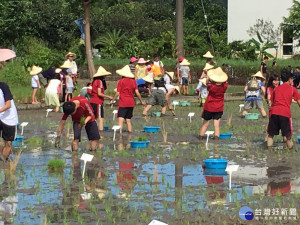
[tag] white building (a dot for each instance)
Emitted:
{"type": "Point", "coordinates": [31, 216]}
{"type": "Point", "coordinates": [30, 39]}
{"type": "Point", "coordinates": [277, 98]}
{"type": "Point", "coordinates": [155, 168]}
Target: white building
{"type": "Point", "coordinates": [243, 14]}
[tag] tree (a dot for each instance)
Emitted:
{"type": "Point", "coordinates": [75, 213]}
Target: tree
{"type": "Point", "coordinates": [266, 30]}
{"type": "Point", "coordinates": [88, 45]}
{"type": "Point", "coordinates": [262, 46]}
{"type": "Point", "coordinates": [294, 18]}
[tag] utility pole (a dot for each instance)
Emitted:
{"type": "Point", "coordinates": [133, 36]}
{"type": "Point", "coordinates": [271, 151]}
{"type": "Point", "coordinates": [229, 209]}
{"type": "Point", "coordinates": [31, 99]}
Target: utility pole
{"type": "Point", "coordinates": [179, 29]}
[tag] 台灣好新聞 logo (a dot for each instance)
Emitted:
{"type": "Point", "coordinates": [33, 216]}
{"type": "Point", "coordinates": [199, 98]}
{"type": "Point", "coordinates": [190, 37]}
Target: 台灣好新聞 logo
{"type": "Point", "coordinates": [246, 213]}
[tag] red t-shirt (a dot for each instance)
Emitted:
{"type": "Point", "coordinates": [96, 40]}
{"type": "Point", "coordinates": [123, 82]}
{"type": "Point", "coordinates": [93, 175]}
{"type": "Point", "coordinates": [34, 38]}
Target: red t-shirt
{"type": "Point", "coordinates": [215, 98]}
{"type": "Point", "coordinates": [126, 87]}
{"type": "Point", "coordinates": [282, 100]}
{"type": "Point", "coordinates": [84, 109]}
{"type": "Point", "coordinates": [95, 98]}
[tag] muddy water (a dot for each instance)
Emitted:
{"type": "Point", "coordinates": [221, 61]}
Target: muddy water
{"type": "Point", "coordinates": [166, 181]}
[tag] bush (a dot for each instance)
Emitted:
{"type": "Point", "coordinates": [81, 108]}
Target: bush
{"type": "Point", "coordinates": [35, 52]}
{"type": "Point", "coordinates": [15, 74]}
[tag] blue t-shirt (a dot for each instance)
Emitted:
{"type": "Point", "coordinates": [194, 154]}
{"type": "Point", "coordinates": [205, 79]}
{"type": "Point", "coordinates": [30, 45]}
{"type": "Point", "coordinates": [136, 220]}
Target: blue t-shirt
{"type": "Point", "coordinates": [254, 95]}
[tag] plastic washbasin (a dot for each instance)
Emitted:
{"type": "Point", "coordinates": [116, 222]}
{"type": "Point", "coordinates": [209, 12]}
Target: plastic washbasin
{"type": "Point", "coordinates": [225, 135]}
{"type": "Point", "coordinates": [18, 140]}
{"type": "Point", "coordinates": [139, 144]}
{"type": "Point", "coordinates": [105, 128]}
{"type": "Point", "coordinates": [215, 163]}
{"type": "Point", "coordinates": [158, 114]}
{"type": "Point", "coordinates": [185, 103]}
{"type": "Point", "coordinates": [251, 116]}
{"type": "Point", "coordinates": [298, 137]}
{"type": "Point", "coordinates": [151, 129]}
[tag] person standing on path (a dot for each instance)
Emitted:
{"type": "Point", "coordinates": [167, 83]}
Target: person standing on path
{"type": "Point", "coordinates": [35, 84]}
{"type": "Point", "coordinates": [263, 68]}
{"type": "Point", "coordinates": [185, 76]}
{"type": "Point", "coordinates": [74, 70]}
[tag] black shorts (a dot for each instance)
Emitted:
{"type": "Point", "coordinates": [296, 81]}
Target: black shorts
{"type": "Point", "coordinates": [211, 115]}
{"type": "Point", "coordinates": [277, 123]}
{"type": "Point", "coordinates": [184, 81]}
{"type": "Point", "coordinates": [8, 132]}
{"type": "Point", "coordinates": [125, 112]}
{"type": "Point", "coordinates": [98, 110]}
{"type": "Point", "coordinates": [91, 129]}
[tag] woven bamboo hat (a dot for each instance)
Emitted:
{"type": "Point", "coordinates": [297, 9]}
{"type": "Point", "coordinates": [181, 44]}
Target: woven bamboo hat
{"type": "Point", "coordinates": [217, 75]}
{"type": "Point", "coordinates": [35, 70]}
{"type": "Point", "coordinates": [101, 72]}
{"type": "Point", "coordinates": [208, 55]}
{"type": "Point", "coordinates": [125, 72]}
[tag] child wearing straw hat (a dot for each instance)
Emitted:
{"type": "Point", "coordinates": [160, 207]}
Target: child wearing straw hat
{"type": "Point", "coordinates": [35, 84]}
{"type": "Point", "coordinates": [65, 66]}
{"type": "Point", "coordinates": [209, 58]}
{"type": "Point", "coordinates": [97, 95]}
{"type": "Point", "coordinates": [185, 76]}
{"type": "Point", "coordinates": [126, 88]}
{"type": "Point", "coordinates": [214, 105]}
{"type": "Point", "coordinates": [253, 97]}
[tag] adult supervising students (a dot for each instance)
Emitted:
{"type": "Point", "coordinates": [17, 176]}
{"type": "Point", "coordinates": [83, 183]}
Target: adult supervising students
{"type": "Point", "coordinates": [263, 68]}
{"type": "Point", "coordinates": [8, 120]}
{"type": "Point", "coordinates": [281, 117]}
{"type": "Point", "coordinates": [82, 116]}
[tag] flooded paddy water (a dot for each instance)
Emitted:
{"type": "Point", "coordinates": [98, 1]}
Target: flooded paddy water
{"type": "Point", "coordinates": [166, 181]}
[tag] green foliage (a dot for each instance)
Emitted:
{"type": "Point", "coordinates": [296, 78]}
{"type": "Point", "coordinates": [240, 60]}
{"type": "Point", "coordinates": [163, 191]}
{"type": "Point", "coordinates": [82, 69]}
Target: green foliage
{"type": "Point", "coordinates": [35, 52]}
{"type": "Point", "coordinates": [140, 138]}
{"type": "Point", "coordinates": [294, 18]}
{"type": "Point", "coordinates": [56, 165]}
{"type": "Point", "coordinates": [262, 46]}
{"type": "Point", "coordinates": [15, 74]}
{"type": "Point", "coordinates": [34, 141]}
{"type": "Point", "coordinates": [242, 50]}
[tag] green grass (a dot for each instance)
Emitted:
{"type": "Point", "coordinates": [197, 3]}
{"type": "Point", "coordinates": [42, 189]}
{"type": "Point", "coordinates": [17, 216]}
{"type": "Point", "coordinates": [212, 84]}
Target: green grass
{"type": "Point", "coordinates": [56, 165]}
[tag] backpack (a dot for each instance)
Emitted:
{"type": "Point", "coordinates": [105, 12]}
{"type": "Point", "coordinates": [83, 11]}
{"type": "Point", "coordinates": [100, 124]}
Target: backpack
{"type": "Point", "coordinates": [159, 83]}
{"type": "Point", "coordinates": [253, 84]}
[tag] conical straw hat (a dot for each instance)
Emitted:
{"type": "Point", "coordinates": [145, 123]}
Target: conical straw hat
{"type": "Point", "coordinates": [208, 66]}
{"type": "Point", "coordinates": [148, 79]}
{"type": "Point", "coordinates": [171, 74]}
{"type": "Point", "coordinates": [101, 72]}
{"type": "Point", "coordinates": [208, 55]}
{"type": "Point", "coordinates": [185, 62]}
{"type": "Point", "coordinates": [35, 70]}
{"type": "Point", "coordinates": [125, 72]}
{"type": "Point", "coordinates": [66, 65]}
{"type": "Point", "coordinates": [217, 75]}
{"type": "Point", "coordinates": [258, 75]}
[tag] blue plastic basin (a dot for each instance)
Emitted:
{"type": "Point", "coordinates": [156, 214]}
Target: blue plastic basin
{"type": "Point", "coordinates": [215, 172]}
{"type": "Point", "coordinates": [185, 103]}
{"type": "Point", "coordinates": [18, 140]}
{"type": "Point", "coordinates": [215, 163]}
{"type": "Point", "coordinates": [151, 129]}
{"type": "Point", "coordinates": [105, 128]}
{"type": "Point", "coordinates": [251, 116]}
{"type": "Point", "coordinates": [298, 137]}
{"type": "Point", "coordinates": [225, 135]}
{"type": "Point", "coordinates": [139, 144]}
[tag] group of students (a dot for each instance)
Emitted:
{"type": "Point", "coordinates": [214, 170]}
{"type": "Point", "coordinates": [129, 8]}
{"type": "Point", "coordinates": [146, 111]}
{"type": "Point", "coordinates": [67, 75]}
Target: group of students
{"type": "Point", "coordinates": [279, 94]}
{"type": "Point", "coordinates": [56, 81]}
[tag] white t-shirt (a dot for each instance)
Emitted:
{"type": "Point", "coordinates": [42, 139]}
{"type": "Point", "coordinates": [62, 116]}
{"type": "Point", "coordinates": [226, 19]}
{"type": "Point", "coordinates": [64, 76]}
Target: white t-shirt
{"type": "Point", "coordinates": [74, 69]}
{"type": "Point", "coordinates": [53, 86]}
{"type": "Point", "coordinates": [167, 79]}
{"type": "Point", "coordinates": [34, 81]}
{"type": "Point", "coordinates": [9, 116]}
{"type": "Point", "coordinates": [169, 86]}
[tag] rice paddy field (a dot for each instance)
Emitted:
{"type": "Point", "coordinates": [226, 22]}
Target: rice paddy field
{"type": "Point", "coordinates": [167, 181]}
